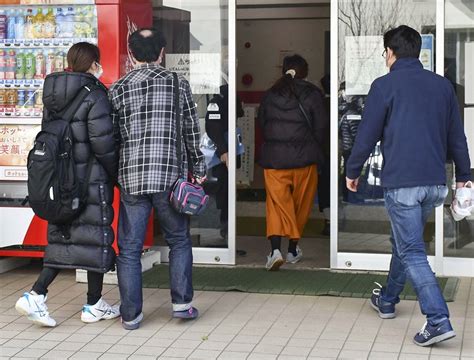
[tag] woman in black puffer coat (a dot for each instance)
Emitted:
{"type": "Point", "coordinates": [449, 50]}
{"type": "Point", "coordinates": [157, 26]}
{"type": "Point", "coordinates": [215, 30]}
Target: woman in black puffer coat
{"type": "Point", "coordinates": [294, 121]}
{"type": "Point", "coordinates": [86, 243]}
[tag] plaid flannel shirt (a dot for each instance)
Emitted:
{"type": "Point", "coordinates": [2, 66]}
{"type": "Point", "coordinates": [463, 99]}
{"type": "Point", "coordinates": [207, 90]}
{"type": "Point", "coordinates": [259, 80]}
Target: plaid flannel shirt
{"type": "Point", "coordinates": [143, 115]}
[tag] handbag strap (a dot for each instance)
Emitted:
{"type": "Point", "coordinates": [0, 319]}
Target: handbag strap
{"type": "Point", "coordinates": [179, 153]}
{"type": "Point", "coordinates": [303, 111]}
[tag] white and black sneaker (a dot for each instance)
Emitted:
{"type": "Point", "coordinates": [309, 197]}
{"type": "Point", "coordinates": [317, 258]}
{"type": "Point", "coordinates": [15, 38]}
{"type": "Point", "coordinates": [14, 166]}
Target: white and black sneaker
{"type": "Point", "coordinates": [34, 307]}
{"type": "Point", "coordinates": [100, 311]}
{"type": "Point", "coordinates": [293, 259]}
{"type": "Point", "coordinates": [274, 260]}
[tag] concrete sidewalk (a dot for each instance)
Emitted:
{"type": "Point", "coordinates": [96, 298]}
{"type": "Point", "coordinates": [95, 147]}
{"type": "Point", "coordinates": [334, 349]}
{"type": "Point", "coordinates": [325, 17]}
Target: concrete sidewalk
{"type": "Point", "coordinates": [231, 326]}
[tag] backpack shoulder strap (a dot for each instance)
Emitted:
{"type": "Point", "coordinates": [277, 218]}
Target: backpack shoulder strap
{"type": "Point", "coordinates": [72, 108]}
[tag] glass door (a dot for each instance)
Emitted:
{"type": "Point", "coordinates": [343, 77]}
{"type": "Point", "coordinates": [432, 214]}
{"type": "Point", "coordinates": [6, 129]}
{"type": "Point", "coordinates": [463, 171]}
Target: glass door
{"type": "Point", "coordinates": [360, 224]}
{"type": "Point", "coordinates": [201, 46]}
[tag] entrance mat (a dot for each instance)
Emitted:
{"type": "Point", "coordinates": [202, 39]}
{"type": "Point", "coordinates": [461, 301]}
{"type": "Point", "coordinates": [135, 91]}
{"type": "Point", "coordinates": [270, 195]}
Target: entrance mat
{"type": "Point", "coordinates": [295, 282]}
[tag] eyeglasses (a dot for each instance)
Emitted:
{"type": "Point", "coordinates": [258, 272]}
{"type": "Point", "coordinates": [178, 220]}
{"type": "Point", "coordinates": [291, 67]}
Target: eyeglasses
{"type": "Point", "coordinates": [97, 64]}
{"type": "Point", "coordinates": [384, 54]}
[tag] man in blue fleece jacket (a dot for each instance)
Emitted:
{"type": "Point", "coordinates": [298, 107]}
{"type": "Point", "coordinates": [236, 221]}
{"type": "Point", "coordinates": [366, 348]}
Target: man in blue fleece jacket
{"type": "Point", "coordinates": [415, 114]}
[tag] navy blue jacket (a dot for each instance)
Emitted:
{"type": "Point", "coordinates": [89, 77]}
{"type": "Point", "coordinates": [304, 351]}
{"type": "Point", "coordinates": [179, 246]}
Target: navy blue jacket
{"type": "Point", "coordinates": [415, 114]}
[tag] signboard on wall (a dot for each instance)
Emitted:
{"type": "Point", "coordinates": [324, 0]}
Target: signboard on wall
{"type": "Point", "coordinates": [427, 51]}
{"type": "Point", "coordinates": [16, 140]}
{"type": "Point", "coordinates": [201, 70]}
{"type": "Point", "coordinates": [363, 63]}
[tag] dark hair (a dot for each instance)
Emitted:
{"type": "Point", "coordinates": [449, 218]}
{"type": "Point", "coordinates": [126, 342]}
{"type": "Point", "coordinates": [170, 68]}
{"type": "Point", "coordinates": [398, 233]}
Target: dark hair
{"type": "Point", "coordinates": [146, 44]}
{"type": "Point", "coordinates": [284, 85]}
{"type": "Point", "coordinates": [404, 41]}
{"type": "Point", "coordinates": [82, 55]}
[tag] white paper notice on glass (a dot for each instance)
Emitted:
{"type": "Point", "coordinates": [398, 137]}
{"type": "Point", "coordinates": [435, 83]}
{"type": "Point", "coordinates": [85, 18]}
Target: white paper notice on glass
{"type": "Point", "coordinates": [202, 70]}
{"type": "Point", "coordinates": [364, 63]}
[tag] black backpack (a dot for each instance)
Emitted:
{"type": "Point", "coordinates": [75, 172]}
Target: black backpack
{"type": "Point", "coordinates": [54, 192]}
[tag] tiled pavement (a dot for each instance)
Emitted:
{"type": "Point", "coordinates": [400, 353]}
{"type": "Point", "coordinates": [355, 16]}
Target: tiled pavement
{"type": "Point", "coordinates": [232, 326]}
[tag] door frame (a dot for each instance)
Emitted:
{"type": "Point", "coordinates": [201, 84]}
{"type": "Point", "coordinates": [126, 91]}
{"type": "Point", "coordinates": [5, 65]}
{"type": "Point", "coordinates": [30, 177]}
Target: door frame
{"type": "Point", "coordinates": [447, 266]}
{"type": "Point", "coordinates": [223, 256]}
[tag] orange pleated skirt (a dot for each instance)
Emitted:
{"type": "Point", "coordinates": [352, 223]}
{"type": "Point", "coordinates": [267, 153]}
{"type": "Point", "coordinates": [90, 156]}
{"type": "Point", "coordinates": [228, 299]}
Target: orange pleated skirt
{"type": "Point", "coordinates": [290, 198]}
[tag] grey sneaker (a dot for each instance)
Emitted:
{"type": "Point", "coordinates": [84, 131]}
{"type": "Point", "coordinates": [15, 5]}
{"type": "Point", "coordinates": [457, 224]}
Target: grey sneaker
{"type": "Point", "coordinates": [133, 324]}
{"type": "Point", "coordinates": [274, 261]}
{"type": "Point", "coordinates": [293, 259]}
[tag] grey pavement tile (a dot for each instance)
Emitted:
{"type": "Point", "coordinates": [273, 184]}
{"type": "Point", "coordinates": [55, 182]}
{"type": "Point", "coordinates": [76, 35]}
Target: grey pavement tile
{"type": "Point", "coordinates": [386, 347]}
{"type": "Point", "coordinates": [239, 347]}
{"type": "Point", "coordinates": [10, 351]}
{"type": "Point", "coordinates": [357, 345]}
{"type": "Point", "coordinates": [19, 343]}
{"type": "Point", "coordinates": [141, 357]}
{"type": "Point", "coordinates": [378, 355]}
{"type": "Point", "coordinates": [150, 351]}
{"type": "Point", "coordinates": [86, 355]}
{"type": "Point", "coordinates": [123, 349]}
{"type": "Point", "coordinates": [55, 336]}
{"type": "Point", "coordinates": [31, 353]}
{"type": "Point", "coordinates": [43, 344]}
{"type": "Point", "coordinates": [132, 340]}
{"type": "Point", "coordinates": [83, 338]}
{"type": "Point", "coordinates": [329, 344]}
{"type": "Point", "coordinates": [204, 354]}
{"type": "Point", "coordinates": [296, 351]}
{"type": "Point", "coordinates": [441, 357]}
{"type": "Point", "coordinates": [273, 340]}
{"type": "Point", "coordinates": [212, 345]}
{"type": "Point", "coordinates": [254, 356]}
{"type": "Point", "coordinates": [69, 346]}
{"type": "Point", "coordinates": [114, 357]}
{"type": "Point", "coordinates": [57, 354]}
{"type": "Point", "coordinates": [301, 342]}
{"type": "Point", "coordinates": [186, 344]}
{"type": "Point", "coordinates": [353, 354]}
{"type": "Point", "coordinates": [233, 355]}
{"type": "Point", "coordinates": [246, 339]}
{"type": "Point", "coordinates": [104, 339]}
{"type": "Point", "coordinates": [412, 356]}
{"type": "Point", "coordinates": [95, 347]}
{"type": "Point", "coordinates": [29, 335]}
{"type": "Point", "coordinates": [177, 352]}
{"type": "Point", "coordinates": [268, 349]}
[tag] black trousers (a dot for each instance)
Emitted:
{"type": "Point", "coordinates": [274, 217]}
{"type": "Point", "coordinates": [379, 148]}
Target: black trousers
{"type": "Point", "coordinates": [95, 282]}
{"type": "Point", "coordinates": [324, 186]}
{"type": "Point", "coordinates": [222, 194]}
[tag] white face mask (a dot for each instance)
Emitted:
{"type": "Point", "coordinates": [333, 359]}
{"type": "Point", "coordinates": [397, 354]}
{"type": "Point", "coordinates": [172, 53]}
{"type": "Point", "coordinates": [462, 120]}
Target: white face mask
{"type": "Point", "coordinates": [99, 72]}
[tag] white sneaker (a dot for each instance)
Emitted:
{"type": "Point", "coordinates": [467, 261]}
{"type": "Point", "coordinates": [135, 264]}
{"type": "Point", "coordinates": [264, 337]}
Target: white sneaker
{"type": "Point", "coordinates": [463, 202]}
{"type": "Point", "coordinates": [274, 261]}
{"type": "Point", "coordinates": [34, 307]}
{"type": "Point", "coordinates": [100, 311]}
{"type": "Point", "coordinates": [293, 259]}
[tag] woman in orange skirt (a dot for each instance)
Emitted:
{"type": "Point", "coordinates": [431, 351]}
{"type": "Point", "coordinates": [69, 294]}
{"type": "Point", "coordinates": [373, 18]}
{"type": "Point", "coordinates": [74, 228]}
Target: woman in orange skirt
{"type": "Point", "coordinates": [293, 120]}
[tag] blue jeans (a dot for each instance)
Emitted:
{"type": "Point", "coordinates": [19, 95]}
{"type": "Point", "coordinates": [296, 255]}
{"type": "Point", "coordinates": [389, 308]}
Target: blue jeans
{"type": "Point", "coordinates": [409, 209]}
{"type": "Point", "coordinates": [133, 219]}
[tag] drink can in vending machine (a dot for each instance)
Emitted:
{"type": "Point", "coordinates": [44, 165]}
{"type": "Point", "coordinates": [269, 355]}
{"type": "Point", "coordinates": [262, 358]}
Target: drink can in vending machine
{"type": "Point", "coordinates": [30, 98]}
{"type": "Point", "coordinates": [11, 97]}
{"type": "Point", "coordinates": [21, 95]}
{"type": "Point", "coordinates": [3, 99]}
{"type": "Point", "coordinates": [39, 98]}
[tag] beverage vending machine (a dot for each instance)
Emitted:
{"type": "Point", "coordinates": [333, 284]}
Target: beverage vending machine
{"type": "Point", "coordinates": [35, 36]}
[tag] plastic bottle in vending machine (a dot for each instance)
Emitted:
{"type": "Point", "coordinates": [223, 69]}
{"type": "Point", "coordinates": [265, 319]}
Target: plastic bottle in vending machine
{"type": "Point", "coordinates": [28, 33]}
{"type": "Point", "coordinates": [30, 61]}
{"type": "Point", "coordinates": [11, 24]}
{"type": "Point", "coordinates": [38, 24]}
{"type": "Point", "coordinates": [20, 65]}
{"type": "Point", "coordinates": [3, 63]}
{"type": "Point", "coordinates": [50, 63]}
{"type": "Point", "coordinates": [3, 24]}
{"type": "Point", "coordinates": [20, 25]}
{"type": "Point", "coordinates": [49, 24]}
{"type": "Point", "coordinates": [59, 22]}
{"type": "Point", "coordinates": [40, 65]}
{"type": "Point", "coordinates": [11, 65]}
{"type": "Point", "coordinates": [69, 22]}
{"type": "Point", "coordinates": [59, 61]}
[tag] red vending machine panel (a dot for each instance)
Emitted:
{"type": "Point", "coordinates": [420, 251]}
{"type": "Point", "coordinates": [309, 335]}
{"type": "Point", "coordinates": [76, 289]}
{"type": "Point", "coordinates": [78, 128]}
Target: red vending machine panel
{"type": "Point", "coordinates": [35, 36]}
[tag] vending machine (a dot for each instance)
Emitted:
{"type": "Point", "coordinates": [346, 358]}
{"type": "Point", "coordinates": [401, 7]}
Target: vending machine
{"type": "Point", "coordinates": [35, 36]}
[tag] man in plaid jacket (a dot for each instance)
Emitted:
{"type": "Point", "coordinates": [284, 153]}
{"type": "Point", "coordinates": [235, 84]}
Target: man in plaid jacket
{"type": "Point", "coordinates": [143, 113]}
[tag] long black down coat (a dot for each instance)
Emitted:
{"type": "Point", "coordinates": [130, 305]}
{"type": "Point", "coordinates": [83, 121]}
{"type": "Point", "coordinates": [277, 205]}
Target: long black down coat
{"type": "Point", "coordinates": [87, 242]}
{"type": "Point", "coordinates": [287, 139]}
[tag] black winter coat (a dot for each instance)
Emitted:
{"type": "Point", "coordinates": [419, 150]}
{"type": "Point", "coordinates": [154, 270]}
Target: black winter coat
{"type": "Point", "coordinates": [288, 141]}
{"type": "Point", "coordinates": [87, 242]}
